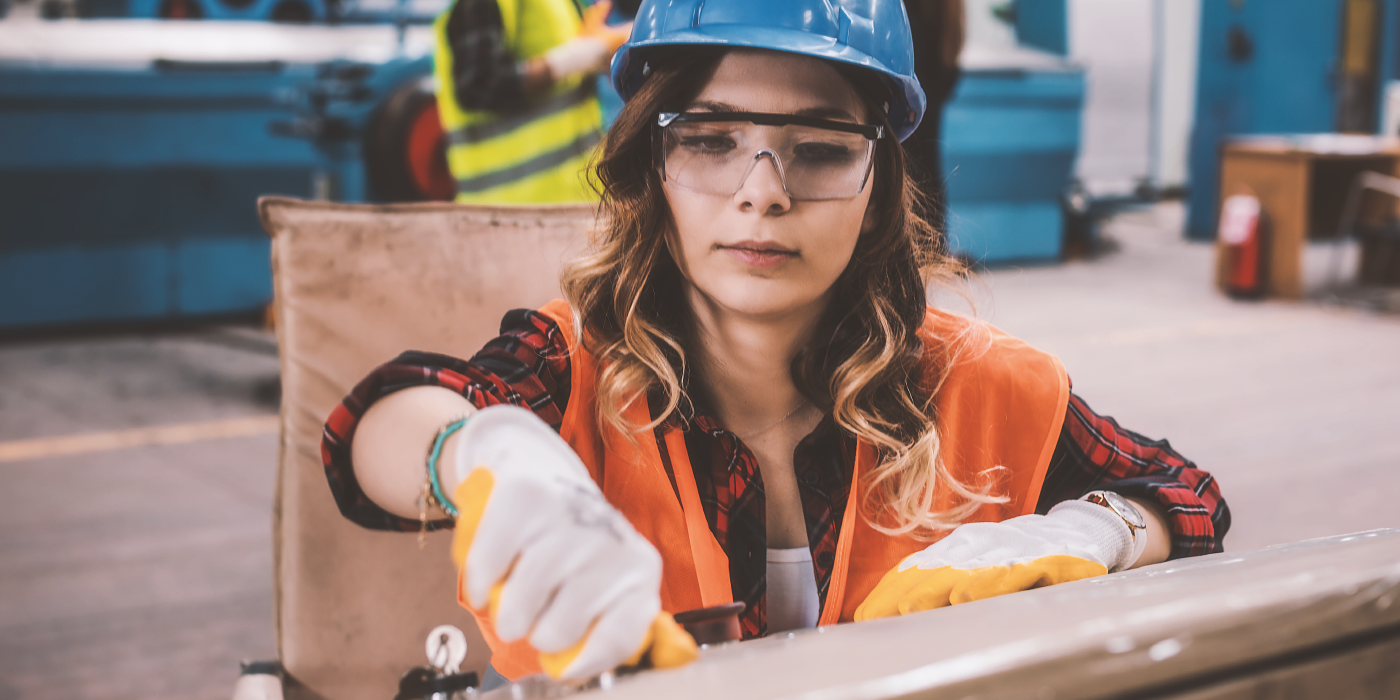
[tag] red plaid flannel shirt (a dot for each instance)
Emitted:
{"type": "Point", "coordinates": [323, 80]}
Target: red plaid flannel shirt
{"type": "Point", "coordinates": [528, 365]}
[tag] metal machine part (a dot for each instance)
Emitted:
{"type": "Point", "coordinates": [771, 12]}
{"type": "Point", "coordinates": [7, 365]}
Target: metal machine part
{"type": "Point", "coordinates": [716, 624]}
{"type": "Point", "coordinates": [442, 679]}
{"type": "Point", "coordinates": [164, 130]}
{"type": "Point", "coordinates": [259, 680]}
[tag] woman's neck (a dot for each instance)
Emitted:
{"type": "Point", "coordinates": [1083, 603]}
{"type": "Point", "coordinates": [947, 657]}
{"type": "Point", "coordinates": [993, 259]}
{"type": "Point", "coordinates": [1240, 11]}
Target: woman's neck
{"type": "Point", "coordinates": [745, 361]}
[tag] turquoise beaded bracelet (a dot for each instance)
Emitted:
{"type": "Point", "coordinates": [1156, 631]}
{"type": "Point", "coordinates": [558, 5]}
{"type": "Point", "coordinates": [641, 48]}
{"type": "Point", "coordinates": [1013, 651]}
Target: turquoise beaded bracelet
{"type": "Point", "coordinates": [438, 497]}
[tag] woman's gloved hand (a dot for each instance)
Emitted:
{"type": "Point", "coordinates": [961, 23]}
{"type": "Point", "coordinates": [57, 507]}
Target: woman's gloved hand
{"type": "Point", "coordinates": [981, 560]}
{"type": "Point", "coordinates": [595, 25]}
{"type": "Point", "coordinates": [592, 49]}
{"type": "Point", "coordinates": [542, 550]}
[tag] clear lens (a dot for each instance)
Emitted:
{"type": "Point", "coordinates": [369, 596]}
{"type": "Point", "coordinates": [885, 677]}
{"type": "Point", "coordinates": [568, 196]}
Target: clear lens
{"type": "Point", "coordinates": [716, 157]}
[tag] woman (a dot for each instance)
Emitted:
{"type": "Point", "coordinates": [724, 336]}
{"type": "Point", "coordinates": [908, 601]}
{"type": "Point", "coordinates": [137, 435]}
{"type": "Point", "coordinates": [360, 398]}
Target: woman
{"type": "Point", "coordinates": [745, 397]}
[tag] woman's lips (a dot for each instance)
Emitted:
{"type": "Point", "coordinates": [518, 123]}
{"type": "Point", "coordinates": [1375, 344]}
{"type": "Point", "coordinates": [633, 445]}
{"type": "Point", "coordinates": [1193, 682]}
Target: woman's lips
{"type": "Point", "coordinates": [755, 254]}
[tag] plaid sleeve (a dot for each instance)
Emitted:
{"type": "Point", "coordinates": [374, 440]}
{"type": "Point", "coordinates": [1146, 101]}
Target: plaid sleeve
{"type": "Point", "coordinates": [1094, 453]}
{"type": "Point", "coordinates": [485, 71]}
{"type": "Point", "coordinates": [527, 365]}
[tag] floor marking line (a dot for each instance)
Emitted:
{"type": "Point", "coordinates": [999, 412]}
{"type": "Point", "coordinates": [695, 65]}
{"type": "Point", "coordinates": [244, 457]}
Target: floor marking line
{"type": "Point", "coordinates": [105, 441]}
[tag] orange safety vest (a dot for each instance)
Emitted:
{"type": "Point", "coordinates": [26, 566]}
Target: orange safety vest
{"type": "Point", "coordinates": [998, 408]}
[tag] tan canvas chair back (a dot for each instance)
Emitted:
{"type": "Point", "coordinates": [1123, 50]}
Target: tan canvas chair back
{"type": "Point", "coordinates": [355, 285]}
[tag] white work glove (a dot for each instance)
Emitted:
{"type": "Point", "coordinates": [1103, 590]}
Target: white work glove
{"type": "Point", "coordinates": [981, 560]}
{"type": "Point", "coordinates": [547, 555]}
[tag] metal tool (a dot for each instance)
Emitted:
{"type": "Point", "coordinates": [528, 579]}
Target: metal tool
{"type": "Point", "coordinates": [442, 679]}
{"type": "Point", "coordinates": [446, 648]}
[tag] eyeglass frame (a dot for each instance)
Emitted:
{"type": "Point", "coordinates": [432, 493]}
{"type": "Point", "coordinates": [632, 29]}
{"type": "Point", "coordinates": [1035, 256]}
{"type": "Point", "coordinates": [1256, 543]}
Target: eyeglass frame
{"type": "Point", "coordinates": [873, 132]}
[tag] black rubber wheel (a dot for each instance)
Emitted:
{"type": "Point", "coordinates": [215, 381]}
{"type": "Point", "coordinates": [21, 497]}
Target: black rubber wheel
{"type": "Point", "coordinates": [180, 9]}
{"type": "Point", "coordinates": [406, 149]}
{"type": "Point", "coordinates": [293, 11]}
{"type": "Point", "coordinates": [52, 9]}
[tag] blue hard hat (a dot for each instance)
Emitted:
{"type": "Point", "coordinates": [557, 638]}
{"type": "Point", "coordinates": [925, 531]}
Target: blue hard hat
{"type": "Point", "coordinates": [870, 34]}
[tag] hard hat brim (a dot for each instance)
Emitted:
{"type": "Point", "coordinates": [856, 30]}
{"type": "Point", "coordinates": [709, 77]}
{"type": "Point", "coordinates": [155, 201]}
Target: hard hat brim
{"type": "Point", "coordinates": [907, 102]}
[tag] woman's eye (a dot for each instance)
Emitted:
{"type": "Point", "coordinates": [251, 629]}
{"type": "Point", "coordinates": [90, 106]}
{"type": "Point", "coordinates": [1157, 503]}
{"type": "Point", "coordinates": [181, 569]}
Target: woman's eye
{"type": "Point", "coordinates": [819, 152]}
{"type": "Point", "coordinates": [707, 144]}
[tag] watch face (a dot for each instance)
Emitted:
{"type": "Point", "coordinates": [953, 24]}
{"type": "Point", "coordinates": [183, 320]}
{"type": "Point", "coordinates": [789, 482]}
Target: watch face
{"type": "Point", "coordinates": [1125, 509]}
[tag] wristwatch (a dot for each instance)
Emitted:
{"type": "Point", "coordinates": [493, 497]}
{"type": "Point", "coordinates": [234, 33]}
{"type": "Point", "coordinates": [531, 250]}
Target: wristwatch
{"type": "Point", "coordinates": [1132, 517]}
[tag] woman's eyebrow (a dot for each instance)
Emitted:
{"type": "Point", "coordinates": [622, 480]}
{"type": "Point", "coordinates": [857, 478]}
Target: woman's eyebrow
{"type": "Point", "coordinates": [820, 112]}
{"type": "Point", "coordinates": [827, 113]}
{"type": "Point", "coordinates": [707, 106]}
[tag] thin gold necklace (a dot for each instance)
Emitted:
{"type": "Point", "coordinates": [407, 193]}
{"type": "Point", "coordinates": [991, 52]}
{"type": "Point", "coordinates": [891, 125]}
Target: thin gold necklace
{"type": "Point", "coordinates": [779, 422]}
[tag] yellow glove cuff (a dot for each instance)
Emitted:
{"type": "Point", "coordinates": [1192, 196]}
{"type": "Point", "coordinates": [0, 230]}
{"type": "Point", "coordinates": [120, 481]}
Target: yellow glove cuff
{"type": "Point", "coordinates": [916, 590]}
{"type": "Point", "coordinates": [470, 496]}
{"type": "Point", "coordinates": [666, 645]}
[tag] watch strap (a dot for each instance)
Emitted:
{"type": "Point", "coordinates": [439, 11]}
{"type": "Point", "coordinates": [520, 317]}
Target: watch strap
{"type": "Point", "coordinates": [1112, 502]}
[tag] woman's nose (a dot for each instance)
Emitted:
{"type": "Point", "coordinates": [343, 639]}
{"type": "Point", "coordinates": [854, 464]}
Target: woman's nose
{"type": "Point", "coordinates": [763, 188]}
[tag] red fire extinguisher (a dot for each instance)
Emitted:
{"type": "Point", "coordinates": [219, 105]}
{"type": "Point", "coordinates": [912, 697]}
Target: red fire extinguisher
{"type": "Point", "coordinates": [1242, 232]}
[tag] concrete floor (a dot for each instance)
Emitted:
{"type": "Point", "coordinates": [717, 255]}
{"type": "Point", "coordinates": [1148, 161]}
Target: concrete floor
{"type": "Point", "coordinates": [146, 571]}
{"type": "Point", "coordinates": [142, 572]}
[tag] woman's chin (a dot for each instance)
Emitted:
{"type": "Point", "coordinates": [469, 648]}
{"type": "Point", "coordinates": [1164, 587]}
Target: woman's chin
{"type": "Point", "coordinates": [766, 301]}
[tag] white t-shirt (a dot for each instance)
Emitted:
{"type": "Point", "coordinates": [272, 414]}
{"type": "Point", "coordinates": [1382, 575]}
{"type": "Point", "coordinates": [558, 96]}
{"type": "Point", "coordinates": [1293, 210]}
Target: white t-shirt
{"type": "Point", "coordinates": [793, 602]}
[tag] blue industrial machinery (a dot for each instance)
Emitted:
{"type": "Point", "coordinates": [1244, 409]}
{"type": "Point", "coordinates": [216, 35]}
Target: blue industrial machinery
{"type": "Point", "coordinates": [295, 11]}
{"type": "Point", "coordinates": [1285, 66]}
{"type": "Point", "coordinates": [132, 151]}
{"type": "Point", "coordinates": [1010, 139]}
{"type": "Point", "coordinates": [1041, 24]}
{"type": "Point", "coordinates": [250, 10]}
{"type": "Point", "coordinates": [130, 162]}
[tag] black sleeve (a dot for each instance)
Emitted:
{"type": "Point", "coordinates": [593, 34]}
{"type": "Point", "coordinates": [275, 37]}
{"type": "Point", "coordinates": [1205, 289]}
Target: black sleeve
{"type": "Point", "coordinates": [485, 72]}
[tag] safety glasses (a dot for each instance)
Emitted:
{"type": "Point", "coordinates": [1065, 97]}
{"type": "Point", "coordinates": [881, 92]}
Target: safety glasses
{"type": "Point", "coordinates": [816, 159]}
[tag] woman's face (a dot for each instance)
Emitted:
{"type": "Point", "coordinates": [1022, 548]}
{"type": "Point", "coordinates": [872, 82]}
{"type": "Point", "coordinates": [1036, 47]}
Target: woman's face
{"type": "Point", "coordinates": [758, 252]}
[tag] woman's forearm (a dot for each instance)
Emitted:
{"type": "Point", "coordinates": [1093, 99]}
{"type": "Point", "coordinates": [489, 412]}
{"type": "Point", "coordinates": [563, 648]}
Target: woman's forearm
{"type": "Point", "coordinates": [391, 444]}
{"type": "Point", "coordinates": [1159, 533]}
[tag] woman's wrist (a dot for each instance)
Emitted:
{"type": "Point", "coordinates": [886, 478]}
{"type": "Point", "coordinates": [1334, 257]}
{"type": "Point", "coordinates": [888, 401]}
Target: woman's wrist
{"type": "Point", "coordinates": [392, 440]}
{"type": "Point", "coordinates": [434, 492]}
{"type": "Point", "coordinates": [583, 54]}
{"type": "Point", "coordinates": [1158, 534]}
{"type": "Point", "coordinates": [446, 474]}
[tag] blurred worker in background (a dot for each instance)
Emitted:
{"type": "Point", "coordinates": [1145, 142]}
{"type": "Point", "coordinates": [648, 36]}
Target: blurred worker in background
{"type": "Point", "coordinates": [516, 85]}
{"type": "Point", "coordinates": [938, 27]}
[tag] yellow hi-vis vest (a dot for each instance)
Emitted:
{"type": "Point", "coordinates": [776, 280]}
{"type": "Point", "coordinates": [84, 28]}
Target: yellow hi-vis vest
{"type": "Point", "coordinates": [534, 155]}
